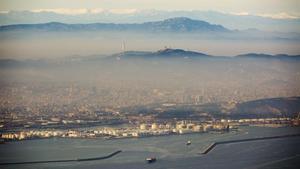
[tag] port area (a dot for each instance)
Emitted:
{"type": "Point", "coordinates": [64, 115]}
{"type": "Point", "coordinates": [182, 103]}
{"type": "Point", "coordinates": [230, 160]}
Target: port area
{"type": "Point", "coordinates": [61, 161]}
{"type": "Point", "coordinates": [214, 144]}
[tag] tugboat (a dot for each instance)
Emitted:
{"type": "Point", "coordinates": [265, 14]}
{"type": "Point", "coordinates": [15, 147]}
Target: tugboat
{"type": "Point", "coordinates": [188, 143]}
{"type": "Point", "coordinates": [151, 159]}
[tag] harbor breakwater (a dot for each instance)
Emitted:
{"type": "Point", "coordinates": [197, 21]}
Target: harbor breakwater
{"type": "Point", "coordinates": [213, 145]}
{"type": "Point", "coordinates": [60, 161]}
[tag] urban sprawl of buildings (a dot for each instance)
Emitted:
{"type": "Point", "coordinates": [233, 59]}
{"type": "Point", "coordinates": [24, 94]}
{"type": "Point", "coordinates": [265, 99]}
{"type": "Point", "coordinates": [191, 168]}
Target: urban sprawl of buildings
{"type": "Point", "coordinates": [146, 130]}
{"type": "Point", "coordinates": [42, 110]}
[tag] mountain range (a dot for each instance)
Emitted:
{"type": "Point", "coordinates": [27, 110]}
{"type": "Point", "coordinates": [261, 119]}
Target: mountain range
{"type": "Point", "coordinates": [165, 54]}
{"type": "Point", "coordinates": [179, 24]}
{"type": "Point", "coordinates": [186, 54]}
{"type": "Point", "coordinates": [241, 21]}
{"type": "Point", "coordinates": [182, 28]}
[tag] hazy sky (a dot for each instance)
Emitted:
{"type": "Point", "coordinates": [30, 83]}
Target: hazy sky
{"type": "Point", "coordinates": [246, 6]}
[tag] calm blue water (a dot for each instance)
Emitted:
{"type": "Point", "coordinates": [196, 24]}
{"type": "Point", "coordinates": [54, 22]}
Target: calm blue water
{"type": "Point", "coordinates": [171, 151]}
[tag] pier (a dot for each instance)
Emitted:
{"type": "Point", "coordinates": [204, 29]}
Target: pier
{"type": "Point", "coordinates": [213, 145]}
{"type": "Point", "coordinates": [62, 161]}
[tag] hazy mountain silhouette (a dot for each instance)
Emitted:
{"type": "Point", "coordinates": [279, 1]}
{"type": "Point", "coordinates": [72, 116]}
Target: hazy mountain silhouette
{"type": "Point", "coordinates": [178, 24]}
{"type": "Point", "coordinates": [163, 53]}
{"type": "Point", "coordinates": [167, 53]}
{"type": "Point", "coordinates": [267, 56]}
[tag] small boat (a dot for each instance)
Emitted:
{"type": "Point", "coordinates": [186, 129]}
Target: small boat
{"type": "Point", "coordinates": [188, 143]}
{"type": "Point", "coordinates": [108, 137]}
{"type": "Point", "coordinates": [151, 159]}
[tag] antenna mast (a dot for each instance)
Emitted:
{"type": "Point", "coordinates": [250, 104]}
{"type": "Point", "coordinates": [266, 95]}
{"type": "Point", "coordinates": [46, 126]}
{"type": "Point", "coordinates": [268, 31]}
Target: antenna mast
{"type": "Point", "coordinates": [123, 46]}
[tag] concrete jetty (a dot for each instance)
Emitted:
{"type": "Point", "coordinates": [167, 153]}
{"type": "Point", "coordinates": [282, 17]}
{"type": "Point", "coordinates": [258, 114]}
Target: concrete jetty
{"type": "Point", "coordinates": [213, 145]}
{"type": "Point", "coordinates": [62, 161]}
